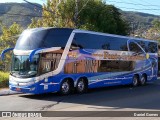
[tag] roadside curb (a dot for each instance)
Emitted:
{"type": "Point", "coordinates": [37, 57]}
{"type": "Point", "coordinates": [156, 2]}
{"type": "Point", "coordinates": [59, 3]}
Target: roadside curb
{"type": "Point", "coordinates": [4, 92]}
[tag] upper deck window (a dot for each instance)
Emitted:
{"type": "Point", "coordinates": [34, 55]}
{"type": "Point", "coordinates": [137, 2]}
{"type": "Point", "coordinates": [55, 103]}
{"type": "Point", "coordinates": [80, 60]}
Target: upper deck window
{"type": "Point", "coordinates": [152, 47]}
{"type": "Point", "coordinates": [92, 41]}
{"type": "Point", "coordinates": [134, 47]}
{"type": "Point", "coordinates": [95, 41]}
{"type": "Point", "coordinates": [148, 46]}
{"type": "Point", "coordinates": [30, 39]}
{"type": "Point", "coordinates": [56, 38]}
{"type": "Point", "coordinates": [43, 38]}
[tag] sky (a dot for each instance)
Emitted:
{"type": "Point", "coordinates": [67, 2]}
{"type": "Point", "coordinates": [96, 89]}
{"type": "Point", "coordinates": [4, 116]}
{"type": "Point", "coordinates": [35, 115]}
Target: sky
{"type": "Point", "coordinates": [145, 6]}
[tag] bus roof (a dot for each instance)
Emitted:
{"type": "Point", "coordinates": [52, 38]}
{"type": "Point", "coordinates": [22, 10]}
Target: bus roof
{"type": "Point", "coordinates": [91, 32]}
{"type": "Point", "coordinates": [45, 28]}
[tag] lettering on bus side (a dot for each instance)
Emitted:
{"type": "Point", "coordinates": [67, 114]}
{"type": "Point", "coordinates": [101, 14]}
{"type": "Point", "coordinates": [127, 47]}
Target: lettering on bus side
{"type": "Point", "coordinates": [107, 55]}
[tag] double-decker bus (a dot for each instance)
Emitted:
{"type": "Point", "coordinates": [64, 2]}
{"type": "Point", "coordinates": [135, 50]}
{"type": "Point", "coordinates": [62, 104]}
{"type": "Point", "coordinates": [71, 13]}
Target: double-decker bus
{"type": "Point", "coordinates": [62, 59]}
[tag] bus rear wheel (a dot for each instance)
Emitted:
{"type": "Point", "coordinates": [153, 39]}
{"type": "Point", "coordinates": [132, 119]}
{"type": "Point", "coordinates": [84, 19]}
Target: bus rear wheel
{"type": "Point", "coordinates": [135, 81]}
{"type": "Point", "coordinates": [65, 87]}
{"type": "Point", "coordinates": [143, 80]}
{"type": "Point", "coordinates": [81, 86]}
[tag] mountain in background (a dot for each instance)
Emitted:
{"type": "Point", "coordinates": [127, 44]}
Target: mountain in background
{"type": "Point", "coordinates": [139, 21]}
{"type": "Point", "coordinates": [22, 13]}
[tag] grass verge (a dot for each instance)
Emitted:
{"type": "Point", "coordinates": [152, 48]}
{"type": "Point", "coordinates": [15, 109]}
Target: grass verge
{"type": "Point", "coordinates": [4, 77]}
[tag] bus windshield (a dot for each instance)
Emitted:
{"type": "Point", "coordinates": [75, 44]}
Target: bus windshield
{"type": "Point", "coordinates": [33, 39]}
{"type": "Point", "coordinates": [21, 67]}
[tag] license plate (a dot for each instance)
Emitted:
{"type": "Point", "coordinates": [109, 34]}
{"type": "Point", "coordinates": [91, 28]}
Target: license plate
{"type": "Point", "coordinates": [18, 89]}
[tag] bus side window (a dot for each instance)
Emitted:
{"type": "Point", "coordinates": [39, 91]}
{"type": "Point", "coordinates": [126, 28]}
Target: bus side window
{"type": "Point", "coordinates": [143, 44]}
{"type": "Point", "coordinates": [152, 47]}
{"type": "Point", "coordinates": [46, 64]}
{"type": "Point", "coordinates": [106, 46]}
{"type": "Point", "coordinates": [134, 47]}
{"type": "Point", "coordinates": [75, 45]}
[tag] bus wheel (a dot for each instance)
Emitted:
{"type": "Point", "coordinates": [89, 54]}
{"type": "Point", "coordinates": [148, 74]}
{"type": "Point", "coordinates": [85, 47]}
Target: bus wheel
{"type": "Point", "coordinates": [81, 86]}
{"type": "Point", "coordinates": [143, 80]}
{"type": "Point", "coordinates": [65, 87]}
{"type": "Point", "coordinates": [135, 81]}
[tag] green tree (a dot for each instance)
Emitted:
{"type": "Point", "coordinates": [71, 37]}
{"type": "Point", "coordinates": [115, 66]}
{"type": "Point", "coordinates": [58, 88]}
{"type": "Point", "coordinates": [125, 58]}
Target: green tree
{"type": "Point", "coordinates": [8, 39]}
{"type": "Point", "coordinates": [156, 24]}
{"type": "Point", "coordinates": [153, 33]}
{"type": "Point", "coordinates": [52, 16]}
{"type": "Point", "coordinates": [93, 15]}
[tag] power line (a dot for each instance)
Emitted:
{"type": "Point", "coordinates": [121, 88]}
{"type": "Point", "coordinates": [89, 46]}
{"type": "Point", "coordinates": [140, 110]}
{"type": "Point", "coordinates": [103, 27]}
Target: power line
{"type": "Point", "coordinates": [139, 9]}
{"type": "Point", "coordinates": [53, 13]}
{"type": "Point", "coordinates": [149, 7]}
{"type": "Point", "coordinates": [151, 4]}
{"type": "Point", "coordinates": [78, 12]}
{"type": "Point", "coordinates": [83, 6]}
{"type": "Point", "coordinates": [134, 3]}
{"type": "Point", "coordinates": [44, 0]}
{"type": "Point", "coordinates": [39, 7]}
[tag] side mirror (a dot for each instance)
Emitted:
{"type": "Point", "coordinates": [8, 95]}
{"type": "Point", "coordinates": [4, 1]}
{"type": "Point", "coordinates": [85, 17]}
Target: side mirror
{"type": "Point", "coordinates": [5, 51]}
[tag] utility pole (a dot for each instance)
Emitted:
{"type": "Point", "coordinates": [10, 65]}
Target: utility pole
{"type": "Point", "coordinates": [132, 28]}
{"type": "Point", "coordinates": [56, 16]}
{"type": "Point", "coordinates": [76, 13]}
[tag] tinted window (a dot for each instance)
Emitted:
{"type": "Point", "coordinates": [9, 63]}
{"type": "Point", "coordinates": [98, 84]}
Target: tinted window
{"type": "Point", "coordinates": [143, 44]}
{"type": "Point", "coordinates": [49, 62]}
{"type": "Point", "coordinates": [115, 66]}
{"type": "Point", "coordinates": [91, 41]}
{"type": "Point", "coordinates": [30, 39]}
{"type": "Point", "coordinates": [152, 47]}
{"type": "Point", "coordinates": [115, 43]}
{"type": "Point", "coordinates": [43, 38]}
{"type": "Point", "coordinates": [57, 38]}
{"type": "Point", "coordinates": [148, 46]}
{"type": "Point", "coordinates": [134, 47]}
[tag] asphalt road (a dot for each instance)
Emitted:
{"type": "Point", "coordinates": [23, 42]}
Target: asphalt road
{"type": "Point", "coordinates": [120, 98]}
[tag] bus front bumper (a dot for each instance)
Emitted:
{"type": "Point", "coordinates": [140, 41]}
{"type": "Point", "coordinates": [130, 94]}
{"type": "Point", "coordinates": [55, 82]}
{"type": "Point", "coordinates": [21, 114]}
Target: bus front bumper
{"type": "Point", "coordinates": [35, 88]}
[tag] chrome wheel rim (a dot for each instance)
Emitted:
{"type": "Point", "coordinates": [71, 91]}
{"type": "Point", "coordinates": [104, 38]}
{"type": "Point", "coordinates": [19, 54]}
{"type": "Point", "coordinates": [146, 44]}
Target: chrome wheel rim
{"type": "Point", "coordinates": [142, 80]}
{"type": "Point", "coordinates": [65, 87]}
{"type": "Point", "coordinates": [80, 86]}
{"type": "Point", "coordinates": [135, 81]}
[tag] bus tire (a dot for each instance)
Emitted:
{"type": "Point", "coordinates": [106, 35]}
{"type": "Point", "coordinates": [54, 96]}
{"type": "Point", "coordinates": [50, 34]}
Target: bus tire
{"type": "Point", "coordinates": [81, 86]}
{"type": "Point", "coordinates": [143, 80]}
{"type": "Point", "coordinates": [135, 80]}
{"type": "Point", "coordinates": [65, 88]}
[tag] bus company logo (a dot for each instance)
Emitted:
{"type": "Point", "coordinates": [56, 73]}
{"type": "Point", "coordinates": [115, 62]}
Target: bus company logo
{"type": "Point", "coordinates": [6, 114]}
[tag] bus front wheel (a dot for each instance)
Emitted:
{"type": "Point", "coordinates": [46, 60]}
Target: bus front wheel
{"type": "Point", "coordinates": [65, 87]}
{"type": "Point", "coordinates": [81, 86]}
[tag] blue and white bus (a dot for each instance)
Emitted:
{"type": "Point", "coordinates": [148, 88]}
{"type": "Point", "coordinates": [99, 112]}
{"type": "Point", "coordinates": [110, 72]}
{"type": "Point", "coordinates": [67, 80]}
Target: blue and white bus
{"type": "Point", "coordinates": [62, 59]}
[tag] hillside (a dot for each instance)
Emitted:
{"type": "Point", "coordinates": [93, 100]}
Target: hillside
{"type": "Point", "coordinates": [22, 13]}
{"type": "Point", "coordinates": [138, 20]}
